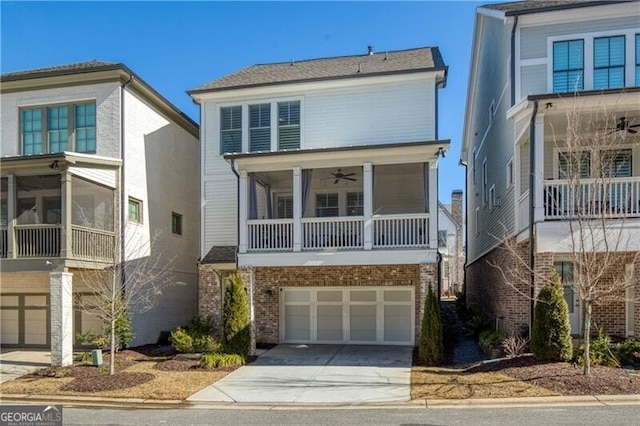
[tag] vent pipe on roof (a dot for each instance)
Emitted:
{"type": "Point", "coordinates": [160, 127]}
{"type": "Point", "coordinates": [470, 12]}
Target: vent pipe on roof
{"type": "Point", "coordinates": [370, 49]}
{"type": "Point", "coordinates": [386, 55]}
{"type": "Point", "coordinates": [292, 61]}
{"type": "Point", "coordinates": [359, 68]}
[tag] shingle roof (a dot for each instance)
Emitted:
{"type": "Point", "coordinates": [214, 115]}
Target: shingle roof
{"type": "Point", "coordinates": [399, 61]}
{"type": "Point", "coordinates": [220, 254]}
{"type": "Point", "coordinates": [61, 69]}
{"type": "Point", "coordinates": [536, 6]}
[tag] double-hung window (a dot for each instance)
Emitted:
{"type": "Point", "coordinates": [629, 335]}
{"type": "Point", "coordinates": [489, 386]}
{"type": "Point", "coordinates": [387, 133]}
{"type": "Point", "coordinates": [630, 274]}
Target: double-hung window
{"type": "Point", "coordinates": [637, 59]}
{"type": "Point", "coordinates": [485, 183]}
{"type": "Point", "coordinates": [608, 62]}
{"type": "Point", "coordinates": [327, 205]}
{"type": "Point", "coordinates": [231, 129]}
{"type": "Point", "coordinates": [568, 66]}
{"type": "Point", "coordinates": [574, 165]}
{"type": "Point", "coordinates": [135, 210]}
{"type": "Point", "coordinates": [58, 128]}
{"type": "Point", "coordinates": [289, 125]}
{"type": "Point", "coordinates": [260, 127]}
{"type": "Point", "coordinates": [355, 203]}
{"type": "Point", "coordinates": [284, 206]}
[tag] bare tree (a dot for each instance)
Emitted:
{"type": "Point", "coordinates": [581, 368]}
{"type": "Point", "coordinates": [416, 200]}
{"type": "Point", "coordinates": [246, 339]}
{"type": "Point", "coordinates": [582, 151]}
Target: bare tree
{"type": "Point", "coordinates": [590, 197]}
{"type": "Point", "coordinates": [122, 287]}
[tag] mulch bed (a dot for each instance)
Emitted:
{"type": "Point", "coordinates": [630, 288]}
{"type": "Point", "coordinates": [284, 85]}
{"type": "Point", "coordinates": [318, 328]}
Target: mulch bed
{"type": "Point", "coordinates": [565, 378]}
{"type": "Point", "coordinates": [177, 365]}
{"type": "Point", "coordinates": [105, 382]}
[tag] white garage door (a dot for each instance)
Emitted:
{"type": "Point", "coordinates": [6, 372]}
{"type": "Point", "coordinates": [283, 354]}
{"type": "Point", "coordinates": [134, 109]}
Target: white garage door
{"type": "Point", "coordinates": [370, 315]}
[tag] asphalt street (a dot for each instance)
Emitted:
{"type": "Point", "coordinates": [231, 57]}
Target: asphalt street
{"type": "Point", "coordinates": [570, 415]}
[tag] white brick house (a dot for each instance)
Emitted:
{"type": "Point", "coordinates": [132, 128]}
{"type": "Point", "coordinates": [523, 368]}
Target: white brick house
{"type": "Point", "coordinates": [319, 181]}
{"type": "Point", "coordinates": [85, 148]}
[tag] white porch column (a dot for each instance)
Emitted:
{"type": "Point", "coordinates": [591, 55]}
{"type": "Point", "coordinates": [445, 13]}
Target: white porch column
{"type": "Point", "coordinates": [538, 213]}
{"type": "Point", "coordinates": [297, 209]}
{"type": "Point", "coordinates": [66, 206]}
{"type": "Point", "coordinates": [433, 205]}
{"type": "Point", "coordinates": [11, 216]}
{"type": "Point", "coordinates": [242, 219]}
{"type": "Point", "coordinates": [61, 294]}
{"type": "Point", "coordinates": [367, 188]}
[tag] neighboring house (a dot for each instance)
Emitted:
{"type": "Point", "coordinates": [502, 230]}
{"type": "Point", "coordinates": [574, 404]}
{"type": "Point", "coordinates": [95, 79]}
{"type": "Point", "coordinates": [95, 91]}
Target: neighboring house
{"type": "Point", "coordinates": [450, 245]}
{"type": "Point", "coordinates": [335, 162]}
{"type": "Point", "coordinates": [534, 64]}
{"type": "Point", "coordinates": [86, 147]}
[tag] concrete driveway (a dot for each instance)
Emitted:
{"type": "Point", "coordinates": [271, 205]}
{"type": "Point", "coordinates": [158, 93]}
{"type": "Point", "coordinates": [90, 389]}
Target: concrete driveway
{"type": "Point", "coordinates": [318, 374]}
{"type": "Point", "coordinates": [18, 362]}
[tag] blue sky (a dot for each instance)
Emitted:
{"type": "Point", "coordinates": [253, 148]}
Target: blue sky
{"type": "Point", "coordinates": [176, 46]}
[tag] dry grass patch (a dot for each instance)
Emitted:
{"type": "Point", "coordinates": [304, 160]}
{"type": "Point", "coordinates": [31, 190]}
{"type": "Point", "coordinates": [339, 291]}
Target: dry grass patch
{"type": "Point", "coordinates": [453, 383]}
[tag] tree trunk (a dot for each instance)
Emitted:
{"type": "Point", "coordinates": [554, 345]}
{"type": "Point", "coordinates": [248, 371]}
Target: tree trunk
{"type": "Point", "coordinates": [587, 338]}
{"type": "Point", "coordinates": [112, 350]}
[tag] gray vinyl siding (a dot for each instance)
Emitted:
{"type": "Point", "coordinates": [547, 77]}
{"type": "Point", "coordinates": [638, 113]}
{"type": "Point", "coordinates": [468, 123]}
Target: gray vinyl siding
{"type": "Point", "coordinates": [533, 42]}
{"type": "Point", "coordinates": [497, 147]}
{"type": "Point", "coordinates": [533, 80]}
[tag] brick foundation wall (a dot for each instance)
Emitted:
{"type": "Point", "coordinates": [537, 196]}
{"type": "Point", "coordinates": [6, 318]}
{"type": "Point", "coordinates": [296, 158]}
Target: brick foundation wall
{"type": "Point", "coordinates": [269, 280]}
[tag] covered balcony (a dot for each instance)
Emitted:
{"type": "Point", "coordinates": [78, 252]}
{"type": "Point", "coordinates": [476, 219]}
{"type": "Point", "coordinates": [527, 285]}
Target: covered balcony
{"type": "Point", "coordinates": [316, 208]}
{"type": "Point", "coordinates": [56, 214]}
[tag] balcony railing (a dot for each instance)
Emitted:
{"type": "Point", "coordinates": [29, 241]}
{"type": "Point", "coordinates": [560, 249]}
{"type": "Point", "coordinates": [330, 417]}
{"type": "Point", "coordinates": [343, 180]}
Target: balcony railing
{"type": "Point", "coordinates": [3, 242]}
{"type": "Point", "coordinates": [92, 244]}
{"type": "Point", "coordinates": [37, 240]}
{"type": "Point", "coordinates": [332, 233]}
{"type": "Point", "coordinates": [401, 231]}
{"type": "Point", "coordinates": [270, 235]}
{"type": "Point", "coordinates": [592, 198]}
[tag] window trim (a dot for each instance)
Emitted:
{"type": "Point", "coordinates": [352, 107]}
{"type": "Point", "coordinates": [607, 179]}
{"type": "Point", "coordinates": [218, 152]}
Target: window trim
{"type": "Point", "coordinates": [594, 157]}
{"type": "Point", "coordinates": [569, 69]}
{"type": "Point", "coordinates": [140, 215]}
{"type": "Point", "coordinates": [477, 221]}
{"type": "Point", "coordinates": [485, 182]}
{"type": "Point", "coordinates": [44, 125]}
{"type": "Point", "coordinates": [177, 231]}
{"type": "Point", "coordinates": [233, 129]}
{"type": "Point", "coordinates": [610, 67]}
{"type": "Point", "coordinates": [510, 174]}
{"type": "Point", "coordinates": [492, 197]}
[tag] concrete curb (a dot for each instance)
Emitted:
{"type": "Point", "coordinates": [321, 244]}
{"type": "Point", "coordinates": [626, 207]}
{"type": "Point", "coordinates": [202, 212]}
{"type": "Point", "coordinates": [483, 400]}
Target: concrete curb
{"type": "Point", "coordinates": [413, 404]}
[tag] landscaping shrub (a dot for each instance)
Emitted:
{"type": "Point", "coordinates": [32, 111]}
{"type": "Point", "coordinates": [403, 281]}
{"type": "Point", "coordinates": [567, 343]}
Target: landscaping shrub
{"type": "Point", "coordinates": [211, 361]}
{"type": "Point", "coordinates": [476, 325]}
{"type": "Point", "coordinates": [123, 333]}
{"type": "Point", "coordinates": [599, 350]}
{"type": "Point", "coordinates": [551, 331]}
{"type": "Point", "coordinates": [201, 324]}
{"type": "Point", "coordinates": [187, 341]}
{"type": "Point", "coordinates": [490, 342]}
{"type": "Point", "coordinates": [431, 349]}
{"type": "Point", "coordinates": [449, 321]}
{"type": "Point", "coordinates": [514, 346]}
{"type": "Point", "coordinates": [235, 318]}
{"type": "Point", "coordinates": [628, 352]}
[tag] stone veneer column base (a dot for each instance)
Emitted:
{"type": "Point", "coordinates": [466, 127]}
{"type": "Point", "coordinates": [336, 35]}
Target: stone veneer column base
{"type": "Point", "coordinates": [61, 293]}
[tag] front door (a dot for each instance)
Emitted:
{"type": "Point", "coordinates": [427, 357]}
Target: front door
{"type": "Point", "coordinates": [565, 270]}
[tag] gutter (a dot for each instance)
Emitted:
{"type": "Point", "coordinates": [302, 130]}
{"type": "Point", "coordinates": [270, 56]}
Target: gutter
{"type": "Point", "coordinates": [123, 217]}
{"type": "Point", "coordinates": [513, 60]}
{"type": "Point", "coordinates": [235, 172]}
{"type": "Point", "coordinates": [532, 181]}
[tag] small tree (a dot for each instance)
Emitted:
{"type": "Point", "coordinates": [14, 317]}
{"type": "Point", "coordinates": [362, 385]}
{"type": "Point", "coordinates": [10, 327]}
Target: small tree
{"type": "Point", "coordinates": [551, 333]}
{"type": "Point", "coordinates": [431, 348]}
{"type": "Point", "coordinates": [236, 336]}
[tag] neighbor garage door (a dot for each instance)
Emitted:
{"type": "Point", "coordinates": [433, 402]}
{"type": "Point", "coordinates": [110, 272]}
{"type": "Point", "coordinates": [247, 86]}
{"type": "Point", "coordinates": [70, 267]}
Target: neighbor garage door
{"type": "Point", "coordinates": [370, 315]}
{"type": "Point", "coordinates": [24, 320]}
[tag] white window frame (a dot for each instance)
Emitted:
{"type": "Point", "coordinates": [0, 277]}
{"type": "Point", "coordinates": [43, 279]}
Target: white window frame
{"type": "Point", "coordinates": [473, 166]}
{"type": "Point", "coordinates": [510, 175]}
{"type": "Point", "coordinates": [485, 183]}
{"type": "Point", "coordinates": [630, 60]}
{"type": "Point", "coordinates": [140, 211]}
{"type": "Point", "coordinates": [180, 227]}
{"type": "Point", "coordinates": [595, 157]}
{"type": "Point", "coordinates": [477, 221]}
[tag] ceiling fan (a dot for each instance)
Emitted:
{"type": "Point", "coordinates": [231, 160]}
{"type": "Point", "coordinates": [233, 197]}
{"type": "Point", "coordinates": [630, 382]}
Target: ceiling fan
{"type": "Point", "coordinates": [338, 176]}
{"type": "Point", "coordinates": [623, 124]}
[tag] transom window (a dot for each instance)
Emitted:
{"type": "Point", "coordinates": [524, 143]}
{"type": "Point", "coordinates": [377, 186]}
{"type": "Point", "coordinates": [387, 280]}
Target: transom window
{"type": "Point", "coordinates": [260, 127]}
{"type": "Point", "coordinates": [231, 129]}
{"type": "Point", "coordinates": [58, 128]}
{"type": "Point", "coordinates": [327, 205]}
{"type": "Point", "coordinates": [289, 125]}
{"type": "Point", "coordinates": [608, 62]}
{"type": "Point", "coordinates": [135, 210]}
{"type": "Point", "coordinates": [568, 65]}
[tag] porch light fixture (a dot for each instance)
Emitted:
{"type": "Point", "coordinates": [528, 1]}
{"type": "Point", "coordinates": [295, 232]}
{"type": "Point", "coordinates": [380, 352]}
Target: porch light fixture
{"type": "Point", "coordinates": [54, 165]}
{"type": "Point", "coordinates": [441, 152]}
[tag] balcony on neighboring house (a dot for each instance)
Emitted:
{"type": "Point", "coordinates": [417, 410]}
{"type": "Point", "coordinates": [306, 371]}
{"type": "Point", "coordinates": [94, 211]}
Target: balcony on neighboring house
{"type": "Point", "coordinates": [56, 213]}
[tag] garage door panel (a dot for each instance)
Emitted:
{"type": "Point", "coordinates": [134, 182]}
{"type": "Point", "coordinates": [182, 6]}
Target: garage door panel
{"type": "Point", "coordinates": [297, 321]}
{"type": "Point", "coordinates": [397, 323]}
{"type": "Point", "coordinates": [35, 326]}
{"type": "Point", "coordinates": [363, 295]}
{"type": "Point", "coordinates": [330, 323]}
{"type": "Point", "coordinates": [9, 319]}
{"type": "Point", "coordinates": [363, 323]}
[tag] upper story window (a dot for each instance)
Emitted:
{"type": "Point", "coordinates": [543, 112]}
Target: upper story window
{"type": "Point", "coordinates": [355, 204]}
{"type": "Point", "coordinates": [231, 129]}
{"type": "Point", "coordinates": [637, 59]}
{"type": "Point", "coordinates": [260, 127]}
{"type": "Point", "coordinates": [573, 165]}
{"type": "Point", "coordinates": [568, 65]}
{"type": "Point", "coordinates": [289, 125]}
{"type": "Point", "coordinates": [176, 223]}
{"type": "Point", "coordinates": [327, 205]}
{"type": "Point", "coordinates": [135, 210]}
{"type": "Point", "coordinates": [58, 128]}
{"type": "Point", "coordinates": [608, 62]}
{"type": "Point", "coordinates": [284, 206]}
{"type": "Point", "coordinates": [442, 239]}
{"type": "Point", "coordinates": [485, 183]}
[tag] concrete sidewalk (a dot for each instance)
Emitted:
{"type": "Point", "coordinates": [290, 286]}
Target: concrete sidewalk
{"type": "Point", "coordinates": [18, 362]}
{"type": "Point", "coordinates": [317, 374]}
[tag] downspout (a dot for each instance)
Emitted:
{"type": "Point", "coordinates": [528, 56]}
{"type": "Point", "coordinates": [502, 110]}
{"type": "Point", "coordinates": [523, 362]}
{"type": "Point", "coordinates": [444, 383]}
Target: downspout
{"type": "Point", "coordinates": [532, 181]}
{"type": "Point", "coordinates": [235, 172]}
{"type": "Point", "coordinates": [513, 61]}
{"type": "Point", "coordinates": [466, 230]}
{"type": "Point", "coordinates": [123, 214]}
